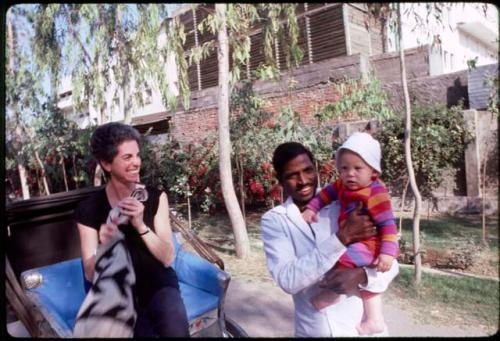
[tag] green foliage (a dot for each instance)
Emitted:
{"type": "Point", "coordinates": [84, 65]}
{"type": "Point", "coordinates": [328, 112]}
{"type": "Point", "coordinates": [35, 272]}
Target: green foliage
{"type": "Point", "coordinates": [361, 99]}
{"type": "Point", "coordinates": [472, 63]}
{"type": "Point", "coordinates": [182, 171]}
{"type": "Point", "coordinates": [438, 140]}
{"type": "Point", "coordinates": [59, 140]}
{"type": "Point", "coordinates": [492, 82]}
{"type": "Point", "coordinates": [103, 44]}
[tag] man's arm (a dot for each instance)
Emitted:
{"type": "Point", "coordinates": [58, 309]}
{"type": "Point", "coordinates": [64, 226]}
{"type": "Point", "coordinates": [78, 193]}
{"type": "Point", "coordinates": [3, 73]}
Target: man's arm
{"type": "Point", "coordinates": [346, 280]}
{"type": "Point", "coordinates": [290, 272]}
{"type": "Point", "coordinates": [294, 273]}
{"type": "Point", "coordinates": [343, 281]}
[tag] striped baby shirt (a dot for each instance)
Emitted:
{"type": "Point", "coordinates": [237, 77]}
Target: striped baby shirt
{"type": "Point", "coordinates": [377, 204]}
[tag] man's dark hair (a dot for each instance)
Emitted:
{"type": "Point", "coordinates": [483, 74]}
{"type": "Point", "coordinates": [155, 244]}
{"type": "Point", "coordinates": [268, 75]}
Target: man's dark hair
{"type": "Point", "coordinates": [288, 151]}
{"type": "Point", "coordinates": [107, 137]}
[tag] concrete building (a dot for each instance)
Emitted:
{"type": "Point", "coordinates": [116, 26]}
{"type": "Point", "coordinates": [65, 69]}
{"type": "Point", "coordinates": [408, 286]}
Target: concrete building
{"type": "Point", "coordinates": [467, 32]}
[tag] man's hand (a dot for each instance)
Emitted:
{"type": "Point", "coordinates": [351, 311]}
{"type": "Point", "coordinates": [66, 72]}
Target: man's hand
{"type": "Point", "coordinates": [356, 227]}
{"type": "Point", "coordinates": [343, 280]}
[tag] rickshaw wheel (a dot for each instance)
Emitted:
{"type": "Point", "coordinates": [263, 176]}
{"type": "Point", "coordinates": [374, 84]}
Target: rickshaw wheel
{"type": "Point", "coordinates": [233, 329]}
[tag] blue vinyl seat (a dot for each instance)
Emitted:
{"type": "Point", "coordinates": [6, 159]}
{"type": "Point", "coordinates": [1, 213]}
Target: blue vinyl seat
{"type": "Point", "coordinates": [58, 290]}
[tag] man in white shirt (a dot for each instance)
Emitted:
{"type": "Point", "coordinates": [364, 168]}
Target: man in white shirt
{"type": "Point", "coordinates": [299, 255]}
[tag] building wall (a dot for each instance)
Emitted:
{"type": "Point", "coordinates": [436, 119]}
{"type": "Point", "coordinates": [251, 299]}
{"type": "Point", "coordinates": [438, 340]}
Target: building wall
{"type": "Point", "coordinates": [465, 32]}
{"type": "Point", "coordinates": [315, 89]}
{"type": "Point", "coordinates": [362, 40]}
{"type": "Point", "coordinates": [386, 66]}
{"type": "Point", "coordinates": [446, 89]}
{"type": "Point", "coordinates": [194, 125]}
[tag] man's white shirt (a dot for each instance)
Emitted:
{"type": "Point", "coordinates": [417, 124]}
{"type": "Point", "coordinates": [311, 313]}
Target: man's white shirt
{"type": "Point", "coordinates": [297, 258]}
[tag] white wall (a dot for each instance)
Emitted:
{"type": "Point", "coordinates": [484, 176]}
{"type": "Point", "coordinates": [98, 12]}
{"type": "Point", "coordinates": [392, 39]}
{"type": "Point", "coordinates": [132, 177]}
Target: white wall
{"type": "Point", "coordinates": [465, 33]}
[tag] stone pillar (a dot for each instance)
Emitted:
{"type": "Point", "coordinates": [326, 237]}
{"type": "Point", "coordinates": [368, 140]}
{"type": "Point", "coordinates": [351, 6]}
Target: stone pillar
{"type": "Point", "coordinates": [472, 160]}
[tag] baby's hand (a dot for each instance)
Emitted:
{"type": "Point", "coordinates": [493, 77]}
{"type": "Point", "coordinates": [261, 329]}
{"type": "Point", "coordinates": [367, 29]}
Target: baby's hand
{"type": "Point", "coordinates": [309, 216]}
{"type": "Point", "coordinates": [384, 262]}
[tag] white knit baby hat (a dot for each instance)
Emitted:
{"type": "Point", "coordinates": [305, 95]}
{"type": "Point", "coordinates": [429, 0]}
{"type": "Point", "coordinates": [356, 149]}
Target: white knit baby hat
{"type": "Point", "coordinates": [365, 146]}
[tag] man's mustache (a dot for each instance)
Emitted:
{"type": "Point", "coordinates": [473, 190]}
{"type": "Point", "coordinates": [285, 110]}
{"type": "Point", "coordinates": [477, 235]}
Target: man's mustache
{"type": "Point", "coordinates": [304, 185]}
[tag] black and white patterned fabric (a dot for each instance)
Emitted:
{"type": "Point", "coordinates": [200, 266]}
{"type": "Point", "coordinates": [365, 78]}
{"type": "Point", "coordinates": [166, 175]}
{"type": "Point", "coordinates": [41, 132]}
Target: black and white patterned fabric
{"type": "Point", "coordinates": [108, 309]}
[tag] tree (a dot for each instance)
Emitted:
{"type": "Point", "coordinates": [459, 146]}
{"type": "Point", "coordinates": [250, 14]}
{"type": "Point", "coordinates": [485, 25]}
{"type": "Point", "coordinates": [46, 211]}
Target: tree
{"type": "Point", "coordinates": [22, 88]}
{"type": "Point", "coordinates": [239, 20]}
{"type": "Point", "coordinates": [118, 44]}
{"type": "Point", "coordinates": [386, 11]}
{"type": "Point", "coordinates": [433, 13]}
{"type": "Point", "coordinates": [228, 193]}
{"type": "Point", "coordinates": [103, 47]}
{"type": "Point", "coordinates": [409, 162]}
{"type": "Point", "coordinates": [489, 146]}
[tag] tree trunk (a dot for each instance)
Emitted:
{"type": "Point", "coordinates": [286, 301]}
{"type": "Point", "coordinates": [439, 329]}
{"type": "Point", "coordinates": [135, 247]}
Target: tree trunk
{"type": "Point", "coordinates": [239, 166]}
{"type": "Point", "coordinates": [317, 173]}
{"type": "Point", "coordinates": [484, 239]}
{"type": "Point", "coordinates": [22, 177]}
{"type": "Point", "coordinates": [189, 205]}
{"type": "Point", "coordinates": [409, 163]}
{"type": "Point", "coordinates": [44, 176]}
{"type": "Point", "coordinates": [65, 176]}
{"type": "Point", "coordinates": [75, 171]}
{"type": "Point", "coordinates": [98, 175]}
{"type": "Point", "coordinates": [402, 207]}
{"type": "Point", "coordinates": [230, 199]}
{"type": "Point", "coordinates": [20, 162]}
{"type": "Point", "coordinates": [21, 168]}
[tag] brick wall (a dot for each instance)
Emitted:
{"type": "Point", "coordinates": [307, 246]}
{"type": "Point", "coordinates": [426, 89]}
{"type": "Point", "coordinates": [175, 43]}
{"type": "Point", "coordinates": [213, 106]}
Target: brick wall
{"type": "Point", "coordinates": [315, 88]}
{"type": "Point", "coordinates": [194, 125]}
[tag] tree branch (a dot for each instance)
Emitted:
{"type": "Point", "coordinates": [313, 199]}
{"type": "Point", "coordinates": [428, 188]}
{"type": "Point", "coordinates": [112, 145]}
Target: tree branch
{"type": "Point", "coordinates": [73, 33]}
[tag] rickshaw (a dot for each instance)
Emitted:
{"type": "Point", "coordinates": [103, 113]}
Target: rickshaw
{"type": "Point", "coordinates": [45, 280]}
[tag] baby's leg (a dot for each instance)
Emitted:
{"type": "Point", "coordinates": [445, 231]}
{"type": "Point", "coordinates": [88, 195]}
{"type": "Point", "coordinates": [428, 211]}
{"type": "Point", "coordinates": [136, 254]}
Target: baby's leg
{"type": "Point", "coordinates": [324, 299]}
{"type": "Point", "coordinates": [374, 321]}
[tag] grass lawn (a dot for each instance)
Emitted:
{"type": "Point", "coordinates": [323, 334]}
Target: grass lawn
{"type": "Point", "coordinates": [448, 299]}
{"type": "Point", "coordinates": [460, 234]}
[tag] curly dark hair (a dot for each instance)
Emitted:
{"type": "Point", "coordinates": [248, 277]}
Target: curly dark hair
{"type": "Point", "coordinates": [288, 151]}
{"type": "Point", "coordinates": [107, 137]}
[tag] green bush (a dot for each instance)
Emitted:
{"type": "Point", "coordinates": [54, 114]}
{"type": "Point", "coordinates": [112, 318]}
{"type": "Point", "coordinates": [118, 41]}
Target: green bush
{"type": "Point", "coordinates": [438, 140]}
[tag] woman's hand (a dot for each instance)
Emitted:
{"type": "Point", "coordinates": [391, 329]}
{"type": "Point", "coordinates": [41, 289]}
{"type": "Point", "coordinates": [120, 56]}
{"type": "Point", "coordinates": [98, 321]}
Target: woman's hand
{"type": "Point", "coordinates": [134, 209]}
{"type": "Point", "coordinates": [107, 232]}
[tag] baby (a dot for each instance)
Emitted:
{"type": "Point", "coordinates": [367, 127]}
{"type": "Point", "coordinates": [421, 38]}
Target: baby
{"type": "Point", "coordinates": [358, 164]}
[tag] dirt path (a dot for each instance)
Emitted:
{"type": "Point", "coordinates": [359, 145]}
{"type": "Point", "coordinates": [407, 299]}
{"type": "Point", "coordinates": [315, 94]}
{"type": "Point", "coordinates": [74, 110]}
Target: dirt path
{"type": "Point", "coordinates": [264, 310]}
